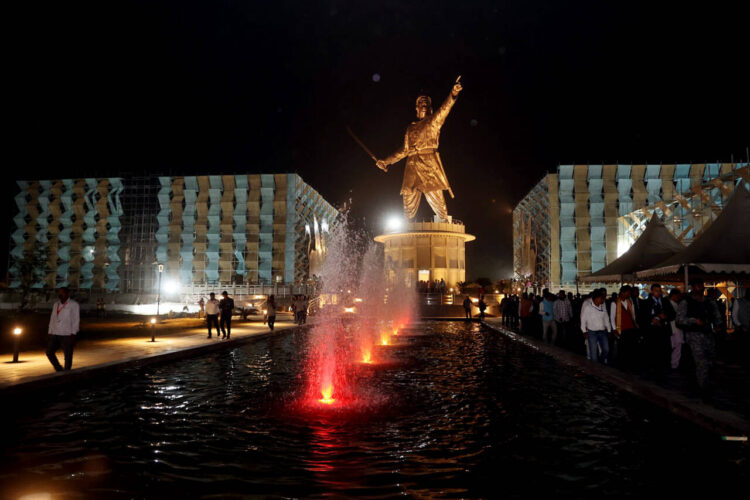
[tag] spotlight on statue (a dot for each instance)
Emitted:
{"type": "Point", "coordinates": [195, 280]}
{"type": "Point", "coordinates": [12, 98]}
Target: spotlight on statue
{"type": "Point", "coordinates": [394, 223]}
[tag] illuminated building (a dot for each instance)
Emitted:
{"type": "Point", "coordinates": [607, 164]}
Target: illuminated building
{"type": "Point", "coordinates": [582, 217]}
{"type": "Point", "coordinates": [112, 233]}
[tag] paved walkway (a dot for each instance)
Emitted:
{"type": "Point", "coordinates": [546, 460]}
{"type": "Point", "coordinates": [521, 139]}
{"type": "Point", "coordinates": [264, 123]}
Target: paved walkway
{"type": "Point", "coordinates": [715, 419]}
{"type": "Point", "coordinates": [170, 338]}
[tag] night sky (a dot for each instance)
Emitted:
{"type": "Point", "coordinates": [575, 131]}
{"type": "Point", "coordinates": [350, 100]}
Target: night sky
{"type": "Point", "coordinates": [112, 88]}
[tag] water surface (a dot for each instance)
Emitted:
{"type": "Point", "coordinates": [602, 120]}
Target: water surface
{"type": "Point", "coordinates": [465, 412]}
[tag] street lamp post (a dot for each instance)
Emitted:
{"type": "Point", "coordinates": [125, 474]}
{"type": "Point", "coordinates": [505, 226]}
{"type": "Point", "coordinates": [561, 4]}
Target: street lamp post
{"type": "Point", "coordinates": [16, 343]}
{"type": "Point", "coordinates": [153, 329]}
{"type": "Point", "coordinates": [158, 297]}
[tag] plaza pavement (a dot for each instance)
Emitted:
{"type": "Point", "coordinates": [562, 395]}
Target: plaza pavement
{"type": "Point", "coordinates": [173, 338]}
{"type": "Point", "coordinates": [715, 419]}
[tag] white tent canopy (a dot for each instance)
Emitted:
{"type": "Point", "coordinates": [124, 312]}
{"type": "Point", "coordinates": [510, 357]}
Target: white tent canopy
{"type": "Point", "coordinates": [654, 245]}
{"type": "Point", "coordinates": [722, 250]}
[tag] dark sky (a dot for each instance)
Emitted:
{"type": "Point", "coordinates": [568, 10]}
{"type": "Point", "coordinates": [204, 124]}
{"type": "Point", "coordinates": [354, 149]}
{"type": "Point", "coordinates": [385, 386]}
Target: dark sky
{"type": "Point", "coordinates": [107, 88]}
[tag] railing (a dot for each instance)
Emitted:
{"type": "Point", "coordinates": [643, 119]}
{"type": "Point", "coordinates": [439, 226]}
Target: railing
{"type": "Point", "coordinates": [239, 290]}
{"type": "Point", "coordinates": [445, 299]}
{"type": "Point", "coordinates": [448, 299]}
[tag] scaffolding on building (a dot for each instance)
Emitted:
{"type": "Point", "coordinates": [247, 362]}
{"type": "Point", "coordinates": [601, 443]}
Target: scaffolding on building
{"type": "Point", "coordinates": [692, 209]}
{"type": "Point", "coordinates": [531, 236]}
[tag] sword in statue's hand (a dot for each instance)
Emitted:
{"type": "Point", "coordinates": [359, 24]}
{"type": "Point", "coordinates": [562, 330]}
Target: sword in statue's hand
{"type": "Point", "coordinates": [361, 144]}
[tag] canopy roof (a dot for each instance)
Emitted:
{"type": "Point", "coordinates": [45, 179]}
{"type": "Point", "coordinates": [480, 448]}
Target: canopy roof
{"type": "Point", "coordinates": [722, 249]}
{"type": "Point", "coordinates": [652, 247]}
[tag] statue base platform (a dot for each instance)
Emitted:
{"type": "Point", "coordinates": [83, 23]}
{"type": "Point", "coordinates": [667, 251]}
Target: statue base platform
{"type": "Point", "coordinates": [426, 251]}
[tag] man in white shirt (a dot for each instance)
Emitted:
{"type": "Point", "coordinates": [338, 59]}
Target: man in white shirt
{"type": "Point", "coordinates": [595, 325]}
{"type": "Point", "coordinates": [63, 326]}
{"type": "Point", "coordinates": [212, 314]}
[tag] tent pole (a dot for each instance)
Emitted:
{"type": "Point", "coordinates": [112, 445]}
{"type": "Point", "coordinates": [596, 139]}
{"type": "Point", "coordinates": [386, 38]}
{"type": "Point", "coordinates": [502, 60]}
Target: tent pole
{"type": "Point", "coordinates": [686, 278]}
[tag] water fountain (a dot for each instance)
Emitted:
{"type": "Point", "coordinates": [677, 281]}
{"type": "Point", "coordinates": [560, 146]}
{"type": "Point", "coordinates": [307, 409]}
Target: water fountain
{"type": "Point", "coordinates": [358, 313]}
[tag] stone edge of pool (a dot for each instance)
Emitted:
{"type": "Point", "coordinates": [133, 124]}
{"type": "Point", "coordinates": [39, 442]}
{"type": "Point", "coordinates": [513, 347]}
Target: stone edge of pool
{"type": "Point", "coordinates": [717, 421]}
{"type": "Point", "coordinates": [44, 382]}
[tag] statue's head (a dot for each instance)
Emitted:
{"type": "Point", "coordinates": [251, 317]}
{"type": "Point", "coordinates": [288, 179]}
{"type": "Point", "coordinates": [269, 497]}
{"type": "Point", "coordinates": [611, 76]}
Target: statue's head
{"type": "Point", "coordinates": [424, 106]}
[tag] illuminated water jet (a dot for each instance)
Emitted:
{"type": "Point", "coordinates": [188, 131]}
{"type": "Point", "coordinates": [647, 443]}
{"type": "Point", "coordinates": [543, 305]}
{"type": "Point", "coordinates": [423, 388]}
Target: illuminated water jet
{"type": "Point", "coordinates": [327, 393]}
{"type": "Point", "coordinates": [342, 340]}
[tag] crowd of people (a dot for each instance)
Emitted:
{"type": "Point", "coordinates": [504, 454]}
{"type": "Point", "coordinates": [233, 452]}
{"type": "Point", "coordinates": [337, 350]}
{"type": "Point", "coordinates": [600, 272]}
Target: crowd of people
{"type": "Point", "coordinates": [431, 286]}
{"type": "Point", "coordinates": [300, 305]}
{"type": "Point", "coordinates": [642, 331]}
{"type": "Point", "coordinates": [218, 313]}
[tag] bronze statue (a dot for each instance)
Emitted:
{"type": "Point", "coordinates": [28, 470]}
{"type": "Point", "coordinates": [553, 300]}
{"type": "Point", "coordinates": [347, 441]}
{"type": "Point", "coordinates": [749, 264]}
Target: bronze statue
{"type": "Point", "coordinates": [424, 171]}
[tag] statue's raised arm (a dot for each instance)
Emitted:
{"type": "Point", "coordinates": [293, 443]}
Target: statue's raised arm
{"type": "Point", "coordinates": [442, 113]}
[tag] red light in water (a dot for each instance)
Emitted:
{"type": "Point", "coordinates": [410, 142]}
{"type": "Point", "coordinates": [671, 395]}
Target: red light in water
{"type": "Point", "coordinates": [367, 357]}
{"type": "Point", "coordinates": [327, 392]}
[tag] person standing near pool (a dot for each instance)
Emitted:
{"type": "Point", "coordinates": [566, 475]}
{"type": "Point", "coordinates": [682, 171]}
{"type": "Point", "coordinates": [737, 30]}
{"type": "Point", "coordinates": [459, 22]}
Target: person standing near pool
{"type": "Point", "coordinates": [467, 307]}
{"type": "Point", "coordinates": [482, 308]}
{"type": "Point", "coordinates": [226, 305]}
{"type": "Point", "coordinates": [656, 314]}
{"type": "Point", "coordinates": [64, 324]}
{"type": "Point", "coordinates": [212, 313]}
{"type": "Point", "coordinates": [549, 326]}
{"type": "Point", "coordinates": [271, 311]}
{"type": "Point", "coordinates": [595, 325]}
{"type": "Point", "coordinates": [694, 318]}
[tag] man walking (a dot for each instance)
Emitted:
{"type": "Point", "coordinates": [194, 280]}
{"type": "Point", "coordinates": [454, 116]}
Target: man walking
{"type": "Point", "coordinates": [678, 337]}
{"type": "Point", "coordinates": [741, 320]}
{"type": "Point", "coordinates": [656, 315]}
{"type": "Point", "coordinates": [524, 312]}
{"type": "Point", "coordinates": [595, 325]}
{"type": "Point", "coordinates": [212, 313]}
{"type": "Point", "coordinates": [482, 307]}
{"type": "Point", "coordinates": [694, 319]}
{"type": "Point", "coordinates": [63, 326]}
{"type": "Point", "coordinates": [504, 309]}
{"type": "Point", "coordinates": [271, 311]}
{"type": "Point", "coordinates": [563, 316]}
{"type": "Point", "coordinates": [467, 307]}
{"type": "Point", "coordinates": [625, 327]}
{"type": "Point", "coordinates": [226, 305]}
{"type": "Point", "coordinates": [549, 326]}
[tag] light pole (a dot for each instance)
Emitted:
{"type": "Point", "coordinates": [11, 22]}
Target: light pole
{"type": "Point", "coordinates": [153, 329]}
{"type": "Point", "coordinates": [16, 343]}
{"type": "Point", "coordinates": [158, 297]}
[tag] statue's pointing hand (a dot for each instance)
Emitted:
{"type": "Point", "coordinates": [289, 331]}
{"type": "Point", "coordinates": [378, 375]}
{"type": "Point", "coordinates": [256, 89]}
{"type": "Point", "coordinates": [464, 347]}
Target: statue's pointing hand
{"type": "Point", "coordinates": [382, 165]}
{"type": "Point", "coordinates": [456, 89]}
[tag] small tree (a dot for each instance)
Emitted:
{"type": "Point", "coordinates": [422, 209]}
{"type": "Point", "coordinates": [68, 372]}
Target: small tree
{"type": "Point", "coordinates": [483, 282]}
{"type": "Point", "coordinates": [29, 269]}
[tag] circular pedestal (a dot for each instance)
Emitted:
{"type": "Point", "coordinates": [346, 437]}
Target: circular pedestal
{"type": "Point", "coordinates": [426, 251]}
